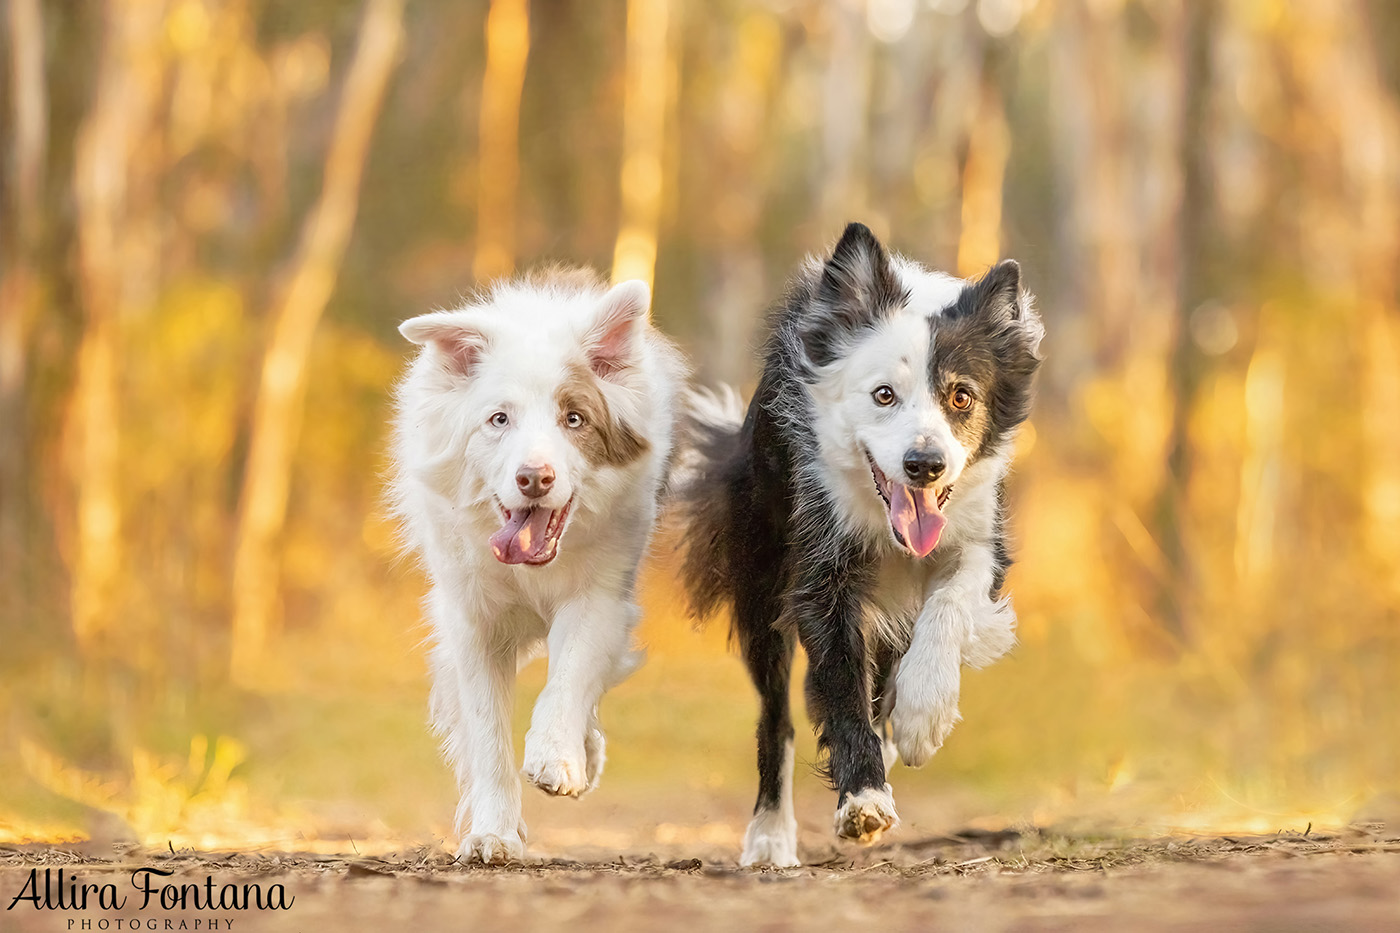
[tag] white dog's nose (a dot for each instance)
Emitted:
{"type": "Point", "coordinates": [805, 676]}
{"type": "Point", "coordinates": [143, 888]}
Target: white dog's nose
{"type": "Point", "coordinates": [535, 481]}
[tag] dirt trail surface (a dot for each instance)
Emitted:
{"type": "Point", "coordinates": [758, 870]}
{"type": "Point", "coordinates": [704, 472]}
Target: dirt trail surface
{"type": "Point", "coordinates": [977, 881]}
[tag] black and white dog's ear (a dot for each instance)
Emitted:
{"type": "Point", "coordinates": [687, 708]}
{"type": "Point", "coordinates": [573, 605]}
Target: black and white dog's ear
{"type": "Point", "coordinates": [859, 274]}
{"type": "Point", "coordinates": [456, 337]}
{"type": "Point", "coordinates": [999, 298]}
{"type": "Point", "coordinates": [857, 289]}
{"type": "Point", "coordinates": [999, 291]}
{"type": "Point", "coordinates": [614, 340]}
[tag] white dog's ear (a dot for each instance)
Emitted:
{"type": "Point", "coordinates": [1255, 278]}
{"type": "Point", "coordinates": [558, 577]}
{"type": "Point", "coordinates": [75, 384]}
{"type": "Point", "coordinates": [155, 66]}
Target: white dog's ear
{"type": "Point", "coordinates": [613, 340]}
{"type": "Point", "coordinates": [459, 341]}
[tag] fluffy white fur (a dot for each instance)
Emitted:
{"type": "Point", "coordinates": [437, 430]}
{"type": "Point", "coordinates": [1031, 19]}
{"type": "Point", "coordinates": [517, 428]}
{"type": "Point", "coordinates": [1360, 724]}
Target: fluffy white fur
{"type": "Point", "coordinates": [480, 402]}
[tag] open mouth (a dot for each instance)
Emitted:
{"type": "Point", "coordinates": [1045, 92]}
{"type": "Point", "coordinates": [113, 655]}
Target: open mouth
{"type": "Point", "coordinates": [530, 534]}
{"type": "Point", "coordinates": [916, 512]}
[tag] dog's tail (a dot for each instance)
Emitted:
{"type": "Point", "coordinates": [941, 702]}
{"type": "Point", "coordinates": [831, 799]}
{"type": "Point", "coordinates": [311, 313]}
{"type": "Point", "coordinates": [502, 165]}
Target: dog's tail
{"type": "Point", "coordinates": [711, 463]}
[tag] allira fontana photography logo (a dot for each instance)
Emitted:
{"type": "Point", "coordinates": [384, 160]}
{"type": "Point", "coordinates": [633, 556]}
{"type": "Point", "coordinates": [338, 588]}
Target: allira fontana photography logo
{"type": "Point", "coordinates": [148, 890]}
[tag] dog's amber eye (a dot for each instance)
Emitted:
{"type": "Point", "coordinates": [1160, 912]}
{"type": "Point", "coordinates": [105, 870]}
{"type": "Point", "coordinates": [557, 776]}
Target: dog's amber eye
{"type": "Point", "coordinates": [884, 396]}
{"type": "Point", "coordinates": [573, 419]}
{"type": "Point", "coordinates": [500, 419]}
{"type": "Point", "coordinates": [962, 399]}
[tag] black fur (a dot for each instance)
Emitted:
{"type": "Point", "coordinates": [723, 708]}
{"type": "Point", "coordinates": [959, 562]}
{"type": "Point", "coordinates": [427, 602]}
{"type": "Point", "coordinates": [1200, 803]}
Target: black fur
{"type": "Point", "coordinates": [857, 288]}
{"type": "Point", "coordinates": [1001, 552]}
{"type": "Point", "coordinates": [983, 336]}
{"type": "Point", "coordinates": [761, 531]}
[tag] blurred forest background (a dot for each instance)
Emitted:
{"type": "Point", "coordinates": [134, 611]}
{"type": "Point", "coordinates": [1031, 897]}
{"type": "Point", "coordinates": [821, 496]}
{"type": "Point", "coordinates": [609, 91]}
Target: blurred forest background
{"type": "Point", "coordinates": [213, 214]}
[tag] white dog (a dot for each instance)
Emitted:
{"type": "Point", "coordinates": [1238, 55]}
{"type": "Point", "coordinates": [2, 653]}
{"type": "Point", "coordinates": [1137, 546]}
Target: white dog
{"type": "Point", "coordinates": [533, 436]}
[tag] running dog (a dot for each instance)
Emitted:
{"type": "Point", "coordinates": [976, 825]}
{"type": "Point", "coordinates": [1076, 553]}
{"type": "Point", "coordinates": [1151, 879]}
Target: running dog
{"type": "Point", "coordinates": [532, 439]}
{"type": "Point", "coordinates": [858, 508]}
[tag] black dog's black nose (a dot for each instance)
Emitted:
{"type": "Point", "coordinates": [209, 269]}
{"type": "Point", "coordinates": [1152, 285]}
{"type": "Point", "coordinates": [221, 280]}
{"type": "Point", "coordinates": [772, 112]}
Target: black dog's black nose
{"type": "Point", "coordinates": [924, 466]}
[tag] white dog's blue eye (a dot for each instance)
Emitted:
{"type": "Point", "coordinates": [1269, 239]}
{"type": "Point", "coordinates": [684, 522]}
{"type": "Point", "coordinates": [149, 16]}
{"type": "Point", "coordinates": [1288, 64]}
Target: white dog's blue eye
{"type": "Point", "coordinates": [884, 396]}
{"type": "Point", "coordinates": [500, 419]}
{"type": "Point", "coordinates": [573, 419]}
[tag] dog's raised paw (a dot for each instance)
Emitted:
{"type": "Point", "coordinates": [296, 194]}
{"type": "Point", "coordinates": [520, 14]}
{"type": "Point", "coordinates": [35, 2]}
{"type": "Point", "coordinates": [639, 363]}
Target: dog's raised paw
{"type": "Point", "coordinates": [559, 777]}
{"type": "Point", "coordinates": [490, 849]}
{"type": "Point", "coordinates": [866, 815]}
{"type": "Point", "coordinates": [920, 732]}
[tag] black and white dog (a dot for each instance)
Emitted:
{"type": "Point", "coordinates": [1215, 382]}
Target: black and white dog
{"type": "Point", "coordinates": [858, 508]}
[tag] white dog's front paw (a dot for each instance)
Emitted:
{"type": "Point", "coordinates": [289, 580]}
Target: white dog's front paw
{"type": "Point", "coordinates": [490, 848]}
{"type": "Point", "coordinates": [920, 727]}
{"type": "Point", "coordinates": [771, 839]}
{"type": "Point", "coordinates": [866, 815]}
{"type": "Point", "coordinates": [555, 769]}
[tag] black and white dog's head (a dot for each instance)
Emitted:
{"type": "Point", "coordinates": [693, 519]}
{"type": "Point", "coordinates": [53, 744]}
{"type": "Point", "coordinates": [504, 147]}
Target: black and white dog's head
{"type": "Point", "coordinates": [915, 378]}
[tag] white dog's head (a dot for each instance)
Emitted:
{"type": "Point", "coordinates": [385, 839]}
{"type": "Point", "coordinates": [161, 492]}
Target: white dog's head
{"type": "Point", "coordinates": [915, 376]}
{"type": "Point", "coordinates": [527, 405]}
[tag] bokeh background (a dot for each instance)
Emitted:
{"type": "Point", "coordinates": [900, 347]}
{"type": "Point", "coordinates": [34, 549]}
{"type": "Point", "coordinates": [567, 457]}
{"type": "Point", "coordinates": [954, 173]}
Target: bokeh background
{"type": "Point", "coordinates": [215, 213]}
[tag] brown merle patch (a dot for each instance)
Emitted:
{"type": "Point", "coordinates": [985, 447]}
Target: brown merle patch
{"type": "Point", "coordinates": [604, 439]}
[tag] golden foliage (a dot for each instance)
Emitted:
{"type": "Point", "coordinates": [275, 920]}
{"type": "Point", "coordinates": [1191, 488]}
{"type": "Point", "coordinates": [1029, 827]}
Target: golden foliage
{"type": "Point", "coordinates": [204, 259]}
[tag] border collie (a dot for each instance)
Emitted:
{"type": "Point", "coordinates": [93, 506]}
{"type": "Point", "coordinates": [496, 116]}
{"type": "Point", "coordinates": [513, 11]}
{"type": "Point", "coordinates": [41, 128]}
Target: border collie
{"type": "Point", "coordinates": [533, 435]}
{"type": "Point", "coordinates": [858, 508]}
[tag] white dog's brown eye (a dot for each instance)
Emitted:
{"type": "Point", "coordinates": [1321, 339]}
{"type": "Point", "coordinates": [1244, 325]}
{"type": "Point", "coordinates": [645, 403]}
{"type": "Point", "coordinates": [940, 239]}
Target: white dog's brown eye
{"type": "Point", "coordinates": [884, 396]}
{"type": "Point", "coordinates": [962, 399]}
{"type": "Point", "coordinates": [573, 419]}
{"type": "Point", "coordinates": [500, 419]}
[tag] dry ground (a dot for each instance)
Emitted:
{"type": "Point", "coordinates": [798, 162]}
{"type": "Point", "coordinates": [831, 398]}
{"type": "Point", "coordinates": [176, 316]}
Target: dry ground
{"type": "Point", "coordinates": [974, 881]}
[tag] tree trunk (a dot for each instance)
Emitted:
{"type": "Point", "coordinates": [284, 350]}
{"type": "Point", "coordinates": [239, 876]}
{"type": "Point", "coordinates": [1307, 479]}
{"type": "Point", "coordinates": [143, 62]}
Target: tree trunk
{"type": "Point", "coordinates": [102, 185]}
{"type": "Point", "coordinates": [984, 176]}
{"type": "Point", "coordinates": [846, 117]}
{"type": "Point", "coordinates": [507, 50]}
{"type": "Point", "coordinates": [647, 91]}
{"type": "Point", "coordinates": [733, 283]}
{"type": "Point", "coordinates": [21, 222]}
{"type": "Point", "coordinates": [277, 413]}
{"type": "Point", "coordinates": [1187, 365]}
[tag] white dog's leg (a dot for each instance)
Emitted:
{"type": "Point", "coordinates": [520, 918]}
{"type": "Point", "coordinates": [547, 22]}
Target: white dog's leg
{"type": "Point", "coordinates": [588, 652]}
{"type": "Point", "coordinates": [959, 622]}
{"type": "Point", "coordinates": [473, 690]}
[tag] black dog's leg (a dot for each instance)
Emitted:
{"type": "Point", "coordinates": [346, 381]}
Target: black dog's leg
{"type": "Point", "coordinates": [771, 838]}
{"type": "Point", "coordinates": [826, 605]}
{"type": "Point", "coordinates": [769, 658]}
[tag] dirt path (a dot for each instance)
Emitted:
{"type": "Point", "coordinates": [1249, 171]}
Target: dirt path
{"type": "Point", "coordinates": [979, 881]}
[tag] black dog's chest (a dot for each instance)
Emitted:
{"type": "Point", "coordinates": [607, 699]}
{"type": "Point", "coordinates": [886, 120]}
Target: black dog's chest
{"type": "Point", "coordinates": [898, 590]}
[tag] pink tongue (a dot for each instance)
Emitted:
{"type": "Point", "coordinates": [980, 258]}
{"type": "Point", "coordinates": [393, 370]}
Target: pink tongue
{"type": "Point", "coordinates": [522, 537]}
{"type": "Point", "coordinates": [914, 515]}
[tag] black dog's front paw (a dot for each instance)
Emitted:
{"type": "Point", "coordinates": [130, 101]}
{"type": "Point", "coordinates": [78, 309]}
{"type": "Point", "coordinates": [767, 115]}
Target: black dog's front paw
{"type": "Point", "coordinates": [865, 815]}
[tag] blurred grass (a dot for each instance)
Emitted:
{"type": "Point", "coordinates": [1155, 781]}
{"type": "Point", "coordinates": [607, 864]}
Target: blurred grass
{"type": "Point", "coordinates": [340, 749]}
